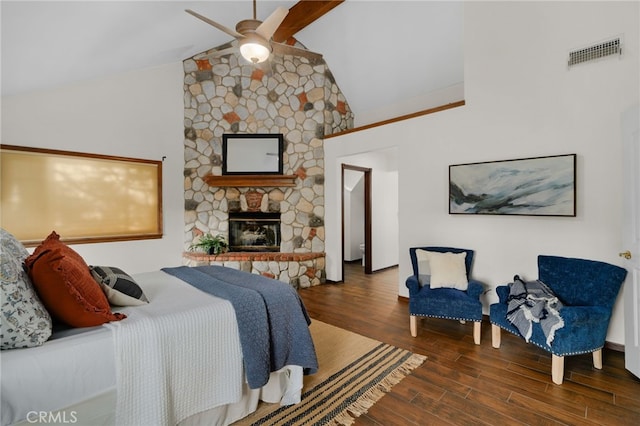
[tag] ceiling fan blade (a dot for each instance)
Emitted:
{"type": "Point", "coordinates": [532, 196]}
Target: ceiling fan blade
{"type": "Point", "coordinates": [221, 27]}
{"type": "Point", "coordinates": [285, 49]}
{"type": "Point", "coordinates": [216, 53]}
{"type": "Point", "coordinates": [271, 24]}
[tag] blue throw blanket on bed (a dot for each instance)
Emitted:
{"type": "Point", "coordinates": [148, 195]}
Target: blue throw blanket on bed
{"type": "Point", "coordinates": [530, 302]}
{"type": "Point", "coordinates": [272, 320]}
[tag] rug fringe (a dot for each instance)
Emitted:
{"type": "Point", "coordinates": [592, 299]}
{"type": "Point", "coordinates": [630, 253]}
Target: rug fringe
{"type": "Point", "coordinates": [361, 406]}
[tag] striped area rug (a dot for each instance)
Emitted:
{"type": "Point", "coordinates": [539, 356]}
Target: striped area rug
{"type": "Point", "coordinates": [354, 373]}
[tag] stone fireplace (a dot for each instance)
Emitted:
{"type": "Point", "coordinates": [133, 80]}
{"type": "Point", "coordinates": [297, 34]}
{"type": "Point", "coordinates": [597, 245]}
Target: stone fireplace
{"type": "Point", "coordinates": [294, 97]}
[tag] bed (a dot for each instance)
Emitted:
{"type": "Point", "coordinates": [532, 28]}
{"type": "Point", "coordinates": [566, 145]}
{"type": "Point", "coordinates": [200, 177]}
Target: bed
{"type": "Point", "coordinates": [179, 359]}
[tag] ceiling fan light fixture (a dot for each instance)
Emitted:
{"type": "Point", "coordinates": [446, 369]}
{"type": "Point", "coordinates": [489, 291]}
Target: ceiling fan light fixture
{"type": "Point", "coordinates": [254, 50]}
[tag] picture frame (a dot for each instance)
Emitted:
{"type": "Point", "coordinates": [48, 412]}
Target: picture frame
{"type": "Point", "coordinates": [252, 154]}
{"type": "Point", "coordinates": [536, 186]}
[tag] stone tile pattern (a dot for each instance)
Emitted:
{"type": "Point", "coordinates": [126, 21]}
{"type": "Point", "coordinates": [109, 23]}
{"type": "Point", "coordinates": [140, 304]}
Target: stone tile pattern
{"type": "Point", "coordinates": [288, 95]}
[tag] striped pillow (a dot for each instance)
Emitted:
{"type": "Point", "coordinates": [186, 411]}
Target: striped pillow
{"type": "Point", "coordinates": [119, 287]}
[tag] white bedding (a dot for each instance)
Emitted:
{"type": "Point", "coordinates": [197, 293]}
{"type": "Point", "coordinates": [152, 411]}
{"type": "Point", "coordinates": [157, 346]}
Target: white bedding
{"type": "Point", "coordinates": [173, 353]}
{"type": "Point", "coordinates": [79, 368]}
{"type": "Point", "coordinates": [60, 372]}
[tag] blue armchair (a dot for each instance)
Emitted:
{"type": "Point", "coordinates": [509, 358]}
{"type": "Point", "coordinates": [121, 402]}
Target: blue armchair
{"type": "Point", "coordinates": [587, 290]}
{"type": "Point", "coordinates": [443, 302]}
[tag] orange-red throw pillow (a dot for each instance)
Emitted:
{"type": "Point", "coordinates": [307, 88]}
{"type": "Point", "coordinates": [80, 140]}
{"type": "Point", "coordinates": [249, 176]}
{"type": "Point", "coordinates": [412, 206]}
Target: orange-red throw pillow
{"type": "Point", "coordinates": [65, 285]}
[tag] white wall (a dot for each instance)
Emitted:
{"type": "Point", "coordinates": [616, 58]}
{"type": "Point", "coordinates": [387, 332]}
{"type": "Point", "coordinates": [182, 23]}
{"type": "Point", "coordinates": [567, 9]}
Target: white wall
{"type": "Point", "coordinates": [436, 98]}
{"type": "Point", "coordinates": [521, 101]}
{"type": "Point", "coordinates": [138, 115]}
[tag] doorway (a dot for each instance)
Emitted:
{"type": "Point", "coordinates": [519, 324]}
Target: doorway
{"type": "Point", "coordinates": [364, 215]}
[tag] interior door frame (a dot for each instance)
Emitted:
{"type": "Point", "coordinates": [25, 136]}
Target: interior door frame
{"type": "Point", "coordinates": [367, 215]}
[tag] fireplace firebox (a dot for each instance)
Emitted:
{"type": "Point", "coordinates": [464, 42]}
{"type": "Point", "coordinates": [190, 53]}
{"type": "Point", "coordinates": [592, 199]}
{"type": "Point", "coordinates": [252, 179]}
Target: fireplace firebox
{"type": "Point", "coordinates": [254, 231]}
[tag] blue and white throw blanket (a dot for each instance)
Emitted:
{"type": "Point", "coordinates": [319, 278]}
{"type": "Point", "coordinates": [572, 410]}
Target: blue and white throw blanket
{"type": "Point", "coordinates": [533, 301]}
{"type": "Point", "coordinates": [272, 320]}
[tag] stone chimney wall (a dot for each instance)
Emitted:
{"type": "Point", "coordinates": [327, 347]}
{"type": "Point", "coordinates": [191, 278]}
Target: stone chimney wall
{"type": "Point", "coordinates": [287, 95]}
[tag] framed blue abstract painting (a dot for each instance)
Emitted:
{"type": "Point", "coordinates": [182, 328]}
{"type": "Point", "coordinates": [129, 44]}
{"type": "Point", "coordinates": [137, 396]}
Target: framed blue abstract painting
{"type": "Point", "coordinates": [540, 186]}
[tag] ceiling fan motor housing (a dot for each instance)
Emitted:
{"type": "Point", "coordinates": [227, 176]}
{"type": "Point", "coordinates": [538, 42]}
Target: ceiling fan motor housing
{"type": "Point", "coordinates": [247, 26]}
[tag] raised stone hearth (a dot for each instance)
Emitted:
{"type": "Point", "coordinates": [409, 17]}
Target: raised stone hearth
{"type": "Point", "coordinates": [301, 270]}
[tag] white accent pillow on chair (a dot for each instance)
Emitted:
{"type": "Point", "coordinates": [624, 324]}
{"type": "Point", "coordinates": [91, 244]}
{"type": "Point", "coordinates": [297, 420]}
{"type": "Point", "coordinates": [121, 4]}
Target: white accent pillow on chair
{"type": "Point", "coordinates": [447, 270]}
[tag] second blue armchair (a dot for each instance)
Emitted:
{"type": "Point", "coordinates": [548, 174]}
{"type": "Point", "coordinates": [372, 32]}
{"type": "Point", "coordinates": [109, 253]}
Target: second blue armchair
{"type": "Point", "coordinates": [587, 290]}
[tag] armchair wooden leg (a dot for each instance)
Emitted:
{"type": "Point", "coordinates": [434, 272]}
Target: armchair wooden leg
{"type": "Point", "coordinates": [476, 332]}
{"type": "Point", "coordinates": [413, 325]}
{"type": "Point", "coordinates": [597, 359]}
{"type": "Point", "coordinates": [495, 336]}
{"type": "Point", "coordinates": [557, 369]}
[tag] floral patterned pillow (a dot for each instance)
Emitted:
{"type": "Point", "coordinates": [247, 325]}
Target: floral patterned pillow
{"type": "Point", "coordinates": [12, 246]}
{"type": "Point", "coordinates": [24, 321]}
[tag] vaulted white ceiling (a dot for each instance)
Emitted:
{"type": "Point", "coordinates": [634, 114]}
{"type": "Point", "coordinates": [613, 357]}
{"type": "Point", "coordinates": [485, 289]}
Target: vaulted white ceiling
{"type": "Point", "coordinates": [380, 52]}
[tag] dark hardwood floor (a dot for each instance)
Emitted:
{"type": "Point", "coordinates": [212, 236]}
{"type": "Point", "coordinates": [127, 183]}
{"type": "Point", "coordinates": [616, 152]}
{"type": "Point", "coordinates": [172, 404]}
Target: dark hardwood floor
{"type": "Point", "coordinates": [464, 384]}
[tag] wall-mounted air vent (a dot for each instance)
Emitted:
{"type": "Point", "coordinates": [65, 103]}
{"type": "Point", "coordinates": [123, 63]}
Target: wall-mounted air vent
{"type": "Point", "coordinates": [597, 51]}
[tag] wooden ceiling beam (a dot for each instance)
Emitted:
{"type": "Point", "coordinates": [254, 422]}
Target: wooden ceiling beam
{"type": "Point", "coordinates": [302, 14]}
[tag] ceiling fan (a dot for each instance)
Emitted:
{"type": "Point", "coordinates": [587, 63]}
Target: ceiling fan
{"type": "Point", "coordinates": [254, 37]}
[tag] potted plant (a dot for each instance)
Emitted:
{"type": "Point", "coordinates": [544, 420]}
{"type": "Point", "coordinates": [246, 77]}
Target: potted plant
{"type": "Point", "coordinates": [210, 244]}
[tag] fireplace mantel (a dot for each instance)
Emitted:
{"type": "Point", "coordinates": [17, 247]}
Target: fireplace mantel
{"type": "Point", "coordinates": [259, 181]}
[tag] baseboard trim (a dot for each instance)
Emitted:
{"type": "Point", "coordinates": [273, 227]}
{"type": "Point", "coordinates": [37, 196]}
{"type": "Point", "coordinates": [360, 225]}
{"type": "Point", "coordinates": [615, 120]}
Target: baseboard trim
{"type": "Point", "coordinates": [384, 269]}
{"type": "Point", "coordinates": [618, 347]}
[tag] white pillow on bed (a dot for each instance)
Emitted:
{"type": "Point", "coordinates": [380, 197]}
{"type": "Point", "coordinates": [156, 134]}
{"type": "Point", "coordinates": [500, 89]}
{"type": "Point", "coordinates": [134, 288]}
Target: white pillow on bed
{"type": "Point", "coordinates": [119, 287]}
